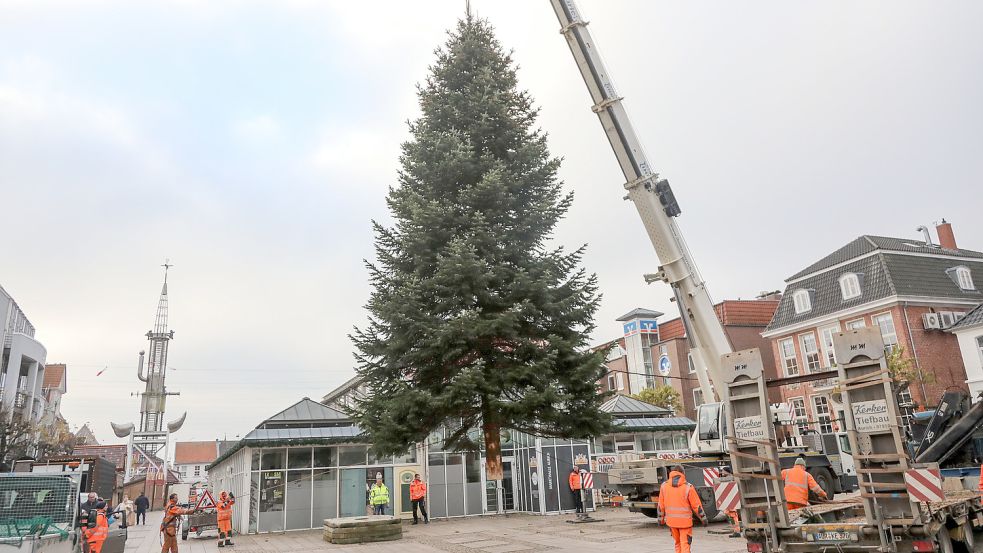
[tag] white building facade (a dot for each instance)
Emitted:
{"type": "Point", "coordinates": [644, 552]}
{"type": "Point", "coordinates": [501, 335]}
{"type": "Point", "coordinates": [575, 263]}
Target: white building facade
{"type": "Point", "coordinates": [21, 363]}
{"type": "Point", "coordinates": [969, 333]}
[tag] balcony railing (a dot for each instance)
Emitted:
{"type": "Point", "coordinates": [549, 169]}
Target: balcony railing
{"type": "Point", "coordinates": [20, 400]}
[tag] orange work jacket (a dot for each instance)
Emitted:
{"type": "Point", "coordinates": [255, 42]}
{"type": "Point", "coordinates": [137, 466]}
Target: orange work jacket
{"type": "Point", "coordinates": [678, 501]}
{"type": "Point", "coordinates": [418, 490]}
{"type": "Point", "coordinates": [574, 481]}
{"type": "Point", "coordinates": [224, 509]}
{"type": "Point", "coordinates": [798, 482]}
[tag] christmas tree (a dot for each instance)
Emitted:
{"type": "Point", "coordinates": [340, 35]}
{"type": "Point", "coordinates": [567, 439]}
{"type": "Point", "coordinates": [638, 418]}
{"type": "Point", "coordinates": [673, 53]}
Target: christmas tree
{"type": "Point", "coordinates": [476, 321]}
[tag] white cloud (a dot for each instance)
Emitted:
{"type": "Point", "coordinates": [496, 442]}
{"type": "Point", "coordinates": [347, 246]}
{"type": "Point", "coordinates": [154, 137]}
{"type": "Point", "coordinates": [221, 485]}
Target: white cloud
{"type": "Point", "coordinates": [258, 130]}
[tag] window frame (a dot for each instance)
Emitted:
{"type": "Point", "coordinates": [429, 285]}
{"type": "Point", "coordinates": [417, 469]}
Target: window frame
{"type": "Point", "coordinates": [697, 403]}
{"type": "Point", "coordinates": [850, 286]}
{"type": "Point", "coordinates": [828, 350]}
{"type": "Point", "coordinates": [801, 301]}
{"type": "Point", "coordinates": [873, 319]}
{"type": "Point", "coordinates": [964, 278]}
{"type": "Point", "coordinates": [851, 325]}
{"type": "Point", "coordinates": [690, 362]}
{"type": "Point", "coordinates": [785, 359]}
{"type": "Point", "coordinates": [979, 346]}
{"type": "Point", "coordinates": [800, 422]}
{"type": "Point", "coordinates": [809, 363]}
{"type": "Point", "coordinates": [828, 416]}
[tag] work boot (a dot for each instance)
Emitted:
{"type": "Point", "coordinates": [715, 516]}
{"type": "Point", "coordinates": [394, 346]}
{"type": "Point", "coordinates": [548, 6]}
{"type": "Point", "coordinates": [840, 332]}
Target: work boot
{"type": "Point", "coordinates": [221, 544]}
{"type": "Point", "coordinates": [735, 534]}
{"type": "Point", "coordinates": [416, 522]}
{"type": "Point", "coordinates": [229, 543]}
{"type": "Point", "coordinates": [426, 521]}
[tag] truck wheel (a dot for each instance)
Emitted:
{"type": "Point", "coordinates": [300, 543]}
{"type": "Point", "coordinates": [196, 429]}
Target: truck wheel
{"type": "Point", "coordinates": [825, 480]}
{"type": "Point", "coordinates": [651, 513]}
{"type": "Point", "coordinates": [709, 503]}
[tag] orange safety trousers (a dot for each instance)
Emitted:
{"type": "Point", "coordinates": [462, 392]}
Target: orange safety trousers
{"type": "Point", "coordinates": [735, 520]}
{"type": "Point", "coordinates": [682, 537]}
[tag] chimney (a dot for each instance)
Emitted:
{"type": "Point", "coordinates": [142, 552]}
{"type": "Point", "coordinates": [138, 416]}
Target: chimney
{"type": "Point", "coordinates": [946, 239]}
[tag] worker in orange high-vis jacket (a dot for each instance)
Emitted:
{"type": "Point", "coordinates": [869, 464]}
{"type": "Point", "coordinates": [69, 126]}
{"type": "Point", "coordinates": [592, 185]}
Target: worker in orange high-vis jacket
{"type": "Point", "coordinates": [170, 523]}
{"type": "Point", "coordinates": [224, 510]}
{"type": "Point", "coordinates": [575, 484]}
{"type": "Point", "coordinates": [418, 496]}
{"type": "Point", "coordinates": [678, 502]}
{"type": "Point", "coordinates": [798, 482]}
{"type": "Point", "coordinates": [97, 530]}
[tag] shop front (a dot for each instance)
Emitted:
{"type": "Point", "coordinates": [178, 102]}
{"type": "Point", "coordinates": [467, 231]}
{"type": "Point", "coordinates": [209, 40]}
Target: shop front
{"type": "Point", "coordinates": [295, 471]}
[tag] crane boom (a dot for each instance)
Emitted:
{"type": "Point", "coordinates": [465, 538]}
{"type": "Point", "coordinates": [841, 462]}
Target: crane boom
{"type": "Point", "coordinates": [656, 206]}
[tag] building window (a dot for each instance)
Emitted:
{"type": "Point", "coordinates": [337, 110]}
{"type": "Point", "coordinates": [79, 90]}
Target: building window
{"type": "Point", "coordinates": [856, 324]}
{"type": "Point", "coordinates": [620, 378]}
{"type": "Point", "coordinates": [963, 278]}
{"type": "Point", "coordinates": [697, 398]}
{"type": "Point", "coordinates": [689, 361]}
{"type": "Point", "coordinates": [979, 345]}
{"type": "Point", "coordinates": [886, 322]}
{"type": "Point", "coordinates": [799, 414]}
{"type": "Point", "coordinates": [648, 340]}
{"type": "Point", "coordinates": [821, 405]}
{"type": "Point", "coordinates": [850, 286]}
{"type": "Point", "coordinates": [906, 405]}
{"type": "Point", "coordinates": [810, 350]}
{"type": "Point", "coordinates": [611, 381]}
{"type": "Point", "coordinates": [950, 318]}
{"type": "Point", "coordinates": [827, 334]}
{"type": "Point", "coordinates": [197, 470]}
{"type": "Point", "coordinates": [802, 301]}
{"type": "Point", "coordinates": [787, 349]}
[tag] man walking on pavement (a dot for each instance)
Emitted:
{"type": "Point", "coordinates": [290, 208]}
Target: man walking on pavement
{"type": "Point", "coordinates": [168, 526]}
{"type": "Point", "coordinates": [798, 482]}
{"type": "Point", "coordinates": [141, 503]}
{"type": "Point", "coordinates": [379, 496]}
{"type": "Point", "coordinates": [678, 502]}
{"type": "Point", "coordinates": [418, 495]}
{"type": "Point", "coordinates": [575, 484]}
{"type": "Point", "coordinates": [224, 511]}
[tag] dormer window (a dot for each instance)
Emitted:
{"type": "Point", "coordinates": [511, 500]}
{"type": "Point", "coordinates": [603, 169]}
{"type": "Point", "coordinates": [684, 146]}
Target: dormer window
{"type": "Point", "coordinates": [964, 278]}
{"type": "Point", "coordinates": [802, 300]}
{"type": "Point", "coordinates": [850, 286]}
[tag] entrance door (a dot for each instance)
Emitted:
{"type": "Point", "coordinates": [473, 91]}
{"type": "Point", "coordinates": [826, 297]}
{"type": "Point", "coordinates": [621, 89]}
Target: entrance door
{"type": "Point", "coordinates": [353, 494]}
{"type": "Point", "coordinates": [500, 495]}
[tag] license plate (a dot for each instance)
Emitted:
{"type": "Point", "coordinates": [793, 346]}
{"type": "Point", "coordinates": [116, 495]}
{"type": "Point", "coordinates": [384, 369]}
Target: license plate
{"type": "Point", "coordinates": [832, 536]}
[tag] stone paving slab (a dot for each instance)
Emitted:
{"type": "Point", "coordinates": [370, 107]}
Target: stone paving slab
{"type": "Point", "coordinates": [621, 532]}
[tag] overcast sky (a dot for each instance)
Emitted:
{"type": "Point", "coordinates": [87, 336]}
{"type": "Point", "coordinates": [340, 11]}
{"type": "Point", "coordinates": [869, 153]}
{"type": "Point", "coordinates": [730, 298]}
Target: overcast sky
{"type": "Point", "coordinates": [252, 143]}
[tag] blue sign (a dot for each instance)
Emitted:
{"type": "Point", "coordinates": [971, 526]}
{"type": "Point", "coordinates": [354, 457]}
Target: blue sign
{"type": "Point", "coordinates": [664, 365]}
{"type": "Point", "coordinates": [630, 328]}
{"type": "Point", "coordinates": [649, 325]}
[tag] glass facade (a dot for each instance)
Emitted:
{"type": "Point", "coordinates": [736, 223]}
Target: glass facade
{"type": "Point", "coordinates": [298, 487]}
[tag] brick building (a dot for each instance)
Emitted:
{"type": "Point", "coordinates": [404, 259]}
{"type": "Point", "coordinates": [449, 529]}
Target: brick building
{"type": "Point", "coordinates": [192, 458]}
{"type": "Point", "coordinates": [668, 350]}
{"type": "Point", "coordinates": [911, 289]}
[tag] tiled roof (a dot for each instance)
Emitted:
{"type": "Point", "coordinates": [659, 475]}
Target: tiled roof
{"type": "Point", "coordinates": [638, 313]}
{"type": "Point", "coordinates": [889, 272]}
{"type": "Point", "coordinates": [307, 410]}
{"type": "Point", "coordinates": [195, 452]}
{"type": "Point", "coordinates": [745, 312]}
{"type": "Point", "coordinates": [971, 319]}
{"type": "Point", "coordinates": [115, 454]}
{"type": "Point", "coordinates": [657, 423]}
{"type": "Point", "coordinates": [825, 292]}
{"type": "Point", "coordinates": [624, 405]}
{"type": "Point", "coordinates": [54, 375]}
{"type": "Point", "coordinates": [671, 329]}
{"type": "Point", "coordinates": [866, 244]}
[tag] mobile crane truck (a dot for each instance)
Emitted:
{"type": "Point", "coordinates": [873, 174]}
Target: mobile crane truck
{"type": "Point", "coordinates": [656, 205]}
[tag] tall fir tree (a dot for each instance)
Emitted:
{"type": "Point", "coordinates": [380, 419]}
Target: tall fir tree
{"type": "Point", "coordinates": [475, 318]}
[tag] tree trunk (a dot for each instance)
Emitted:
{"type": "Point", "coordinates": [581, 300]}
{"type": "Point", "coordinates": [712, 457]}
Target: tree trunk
{"type": "Point", "coordinates": [493, 449]}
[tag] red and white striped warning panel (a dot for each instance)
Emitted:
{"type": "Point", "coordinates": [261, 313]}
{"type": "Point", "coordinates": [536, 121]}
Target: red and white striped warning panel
{"type": "Point", "coordinates": [924, 485]}
{"type": "Point", "coordinates": [588, 480]}
{"type": "Point", "coordinates": [727, 495]}
{"type": "Point", "coordinates": [710, 474]}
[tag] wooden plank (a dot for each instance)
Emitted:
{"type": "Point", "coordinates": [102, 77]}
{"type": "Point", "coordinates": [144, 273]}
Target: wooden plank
{"type": "Point", "coordinates": [755, 457]}
{"type": "Point", "coordinates": [881, 456]}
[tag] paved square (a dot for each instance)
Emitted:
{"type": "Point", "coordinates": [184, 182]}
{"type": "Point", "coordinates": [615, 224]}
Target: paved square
{"type": "Point", "coordinates": [620, 531]}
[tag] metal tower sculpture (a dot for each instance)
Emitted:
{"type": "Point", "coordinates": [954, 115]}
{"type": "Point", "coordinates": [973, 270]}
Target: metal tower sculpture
{"type": "Point", "coordinates": [147, 448]}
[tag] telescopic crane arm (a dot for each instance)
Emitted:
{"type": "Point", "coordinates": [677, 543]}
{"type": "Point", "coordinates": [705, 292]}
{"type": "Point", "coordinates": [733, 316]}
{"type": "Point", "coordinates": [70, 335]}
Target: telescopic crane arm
{"type": "Point", "coordinates": [656, 205]}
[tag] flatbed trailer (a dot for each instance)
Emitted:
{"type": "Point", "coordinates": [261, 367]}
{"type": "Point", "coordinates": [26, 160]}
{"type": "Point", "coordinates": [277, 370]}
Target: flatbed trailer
{"type": "Point", "coordinates": [951, 524]}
